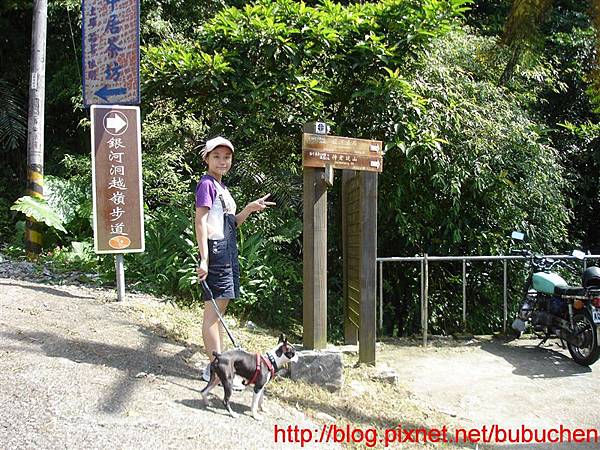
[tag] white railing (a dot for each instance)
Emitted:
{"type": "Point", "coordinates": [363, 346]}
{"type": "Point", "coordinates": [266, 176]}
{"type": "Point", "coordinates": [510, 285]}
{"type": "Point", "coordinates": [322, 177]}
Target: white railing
{"type": "Point", "coordinates": [426, 259]}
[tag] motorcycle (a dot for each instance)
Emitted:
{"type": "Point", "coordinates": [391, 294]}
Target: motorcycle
{"type": "Point", "coordinates": [553, 309]}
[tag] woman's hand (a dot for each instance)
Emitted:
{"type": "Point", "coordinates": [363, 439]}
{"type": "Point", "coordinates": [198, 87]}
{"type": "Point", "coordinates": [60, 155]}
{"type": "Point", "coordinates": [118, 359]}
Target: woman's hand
{"type": "Point", "coordinates": [260, 205]}
{"type": "Point", "coordinates": [257, 205]}
{"type": "Point", "coordinates": [202, 270]}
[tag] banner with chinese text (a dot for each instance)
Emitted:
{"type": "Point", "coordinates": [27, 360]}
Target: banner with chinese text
{"type": "Point", "coordinates": [111, 52]}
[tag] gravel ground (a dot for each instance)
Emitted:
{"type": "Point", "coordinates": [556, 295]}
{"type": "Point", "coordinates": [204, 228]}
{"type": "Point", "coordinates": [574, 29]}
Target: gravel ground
{"type": "Point", "coordinates": [78, 370]}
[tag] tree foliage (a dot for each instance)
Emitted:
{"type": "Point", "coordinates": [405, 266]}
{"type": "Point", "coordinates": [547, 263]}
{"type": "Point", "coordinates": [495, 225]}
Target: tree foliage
{"type": "Point", "coordinates": [468, 158]}
{"type": "Point", "coordinates": [465, 163]}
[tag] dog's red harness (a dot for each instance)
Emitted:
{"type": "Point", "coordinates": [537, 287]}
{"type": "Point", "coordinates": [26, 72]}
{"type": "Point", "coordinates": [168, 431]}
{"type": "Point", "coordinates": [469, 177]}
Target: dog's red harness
{"type": "Point", "coordinates": [260, 358]}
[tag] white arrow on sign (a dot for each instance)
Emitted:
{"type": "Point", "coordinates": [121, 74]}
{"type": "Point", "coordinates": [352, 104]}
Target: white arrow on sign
{"type": "Point", "coordinates": [375, 164]}
{"type": "Point", "coordinates": [116, 123]}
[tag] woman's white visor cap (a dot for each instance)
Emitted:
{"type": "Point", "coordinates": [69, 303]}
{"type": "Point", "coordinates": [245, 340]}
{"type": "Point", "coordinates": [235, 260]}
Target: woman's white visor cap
{"type": "Point", "coordinates": [213, 143]}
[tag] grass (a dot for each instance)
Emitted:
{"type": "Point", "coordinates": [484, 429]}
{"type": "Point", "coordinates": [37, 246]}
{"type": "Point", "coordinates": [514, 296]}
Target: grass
{"type": "Point", "coordinates": [363, 403]}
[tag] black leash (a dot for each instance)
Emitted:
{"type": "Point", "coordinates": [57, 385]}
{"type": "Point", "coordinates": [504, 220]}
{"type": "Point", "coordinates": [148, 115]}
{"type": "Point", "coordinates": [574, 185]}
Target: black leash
{"type": "Point", "coordinates": [209, 293]}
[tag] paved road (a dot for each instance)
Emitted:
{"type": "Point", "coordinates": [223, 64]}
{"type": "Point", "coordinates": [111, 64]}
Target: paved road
{"type": "Point", "coordinates": [510, 385]}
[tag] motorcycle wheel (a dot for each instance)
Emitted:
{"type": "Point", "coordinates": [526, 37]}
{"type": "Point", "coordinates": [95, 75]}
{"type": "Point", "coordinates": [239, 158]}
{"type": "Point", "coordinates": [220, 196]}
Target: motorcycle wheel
{"type": "Point", "coordinates": [588, 351]}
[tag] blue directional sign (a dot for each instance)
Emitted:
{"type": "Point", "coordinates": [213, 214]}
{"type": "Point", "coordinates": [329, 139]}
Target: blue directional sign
{"type": "Point", "coordinates": [111, 52]}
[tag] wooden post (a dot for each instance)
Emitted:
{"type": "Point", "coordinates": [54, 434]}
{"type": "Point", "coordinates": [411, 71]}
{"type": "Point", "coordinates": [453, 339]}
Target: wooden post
{"type": "Point", "coordinates": [315, 260]}
{"type": "Point", "coordinates": [350, 330]}
{"type": "Point", "coordinates": [368, 269]}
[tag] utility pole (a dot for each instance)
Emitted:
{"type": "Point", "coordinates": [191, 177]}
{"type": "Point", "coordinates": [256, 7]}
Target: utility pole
{"type": "Point", "coordinates": [35, 126]}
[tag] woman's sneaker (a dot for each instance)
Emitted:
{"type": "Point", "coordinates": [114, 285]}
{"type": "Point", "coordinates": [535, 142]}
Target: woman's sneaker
{"type": "Point", "coordinates": [206, 373]}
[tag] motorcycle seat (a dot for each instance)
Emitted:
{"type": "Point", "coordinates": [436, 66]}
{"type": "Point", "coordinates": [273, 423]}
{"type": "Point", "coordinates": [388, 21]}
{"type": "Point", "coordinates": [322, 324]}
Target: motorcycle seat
{"type": "Point", "coordinates": [570, 290]}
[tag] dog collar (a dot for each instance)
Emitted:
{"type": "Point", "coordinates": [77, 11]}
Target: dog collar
{"type": "Point", "coordinates": [273, 362]}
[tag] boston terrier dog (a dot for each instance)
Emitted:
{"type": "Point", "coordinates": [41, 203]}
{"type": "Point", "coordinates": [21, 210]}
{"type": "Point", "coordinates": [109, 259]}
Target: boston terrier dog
{"type": "Point", "coordinates": [255, 368]}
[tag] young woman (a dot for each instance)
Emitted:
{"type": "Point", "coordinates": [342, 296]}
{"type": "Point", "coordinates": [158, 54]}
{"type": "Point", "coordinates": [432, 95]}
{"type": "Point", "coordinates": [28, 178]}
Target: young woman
{"type": "Point", "coordinates": [216, 222]}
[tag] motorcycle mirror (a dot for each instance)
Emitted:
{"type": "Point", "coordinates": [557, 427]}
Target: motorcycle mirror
{"type": "Point", "coordinates": [518, 236]}
{"type": "Point", "coordinates": [578, 254]}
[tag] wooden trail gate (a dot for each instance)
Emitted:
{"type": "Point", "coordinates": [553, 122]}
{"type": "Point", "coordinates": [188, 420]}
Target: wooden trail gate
{"type": "Point", "coordinates": [360, 161]}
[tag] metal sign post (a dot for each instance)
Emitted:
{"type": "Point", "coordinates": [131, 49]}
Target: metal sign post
{"type": "Point", "coordinates": [111, 52]}
{"type": "Point", "coordinates": [120, 273]}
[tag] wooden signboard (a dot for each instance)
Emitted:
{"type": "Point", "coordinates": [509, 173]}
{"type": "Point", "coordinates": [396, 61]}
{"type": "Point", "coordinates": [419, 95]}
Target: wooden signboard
{"type": "Point", "coordinates": [319, 150]}
{"type": "Point", "coordinates": [117, 179]}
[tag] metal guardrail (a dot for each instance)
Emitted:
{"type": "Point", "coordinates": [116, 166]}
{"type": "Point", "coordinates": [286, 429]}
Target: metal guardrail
{"type": "Point", "coordinates": [426, 259]}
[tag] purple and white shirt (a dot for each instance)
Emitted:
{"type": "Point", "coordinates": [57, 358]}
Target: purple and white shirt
{"type": "Point", "coordinates": [207, 195]}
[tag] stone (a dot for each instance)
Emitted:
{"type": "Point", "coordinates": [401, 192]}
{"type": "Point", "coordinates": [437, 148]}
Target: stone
{"type": "Point", "coordinates": [284, 372]}
{"type": "Point", "coordinates": [387, 375]}
{"type": "Point", "coordinates": [323, 368]}
{"type": "Point", "coordinates": [349, 349]}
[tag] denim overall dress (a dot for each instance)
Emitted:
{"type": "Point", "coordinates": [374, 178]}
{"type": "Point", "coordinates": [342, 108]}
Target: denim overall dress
{"type": "Point", "coordinates": [223, 265]}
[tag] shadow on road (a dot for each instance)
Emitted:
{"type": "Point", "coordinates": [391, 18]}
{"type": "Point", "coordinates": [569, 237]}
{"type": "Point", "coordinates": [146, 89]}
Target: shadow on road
{"type": "Point", "coordinates": [535, 362]}
{"type": "Point", "coordinates": [47, 290]}
{"type": "Point", "coordinates": [215, 404]}
{"type": "Point", "coordinates": [132, 361]}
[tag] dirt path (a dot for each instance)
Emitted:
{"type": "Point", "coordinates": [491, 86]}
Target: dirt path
{"type": "Point", "coordinates": [79, 371]}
